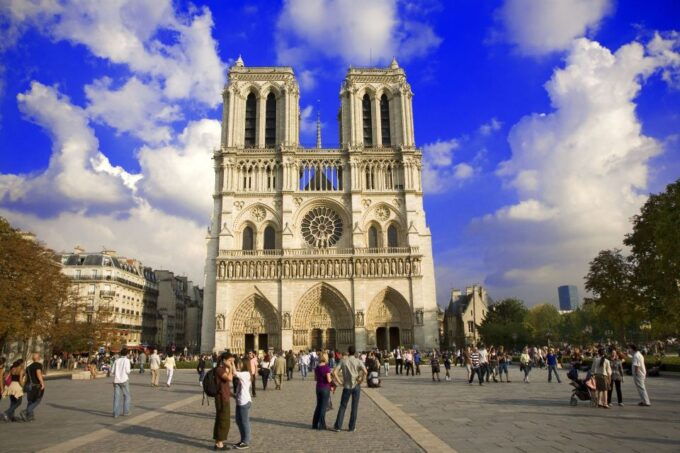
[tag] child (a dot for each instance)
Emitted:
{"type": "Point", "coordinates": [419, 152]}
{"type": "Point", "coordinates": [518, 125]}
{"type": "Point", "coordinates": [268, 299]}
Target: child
{"type": "Point", "coordinates": [243, 403]}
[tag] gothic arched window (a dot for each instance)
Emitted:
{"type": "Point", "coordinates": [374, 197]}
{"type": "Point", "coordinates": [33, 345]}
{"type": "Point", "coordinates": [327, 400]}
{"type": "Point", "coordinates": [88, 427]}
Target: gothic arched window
{"type": "Point", "coordinates": [248, 243]}
{"type": "Point", "coordinates": [385, 121]}
{"type": "Point", "coordinates": [251, 121]}
{"type": "Point", "coordinates": [270, 122]}
{"type": "Point", "coordinates": [392, 236]}
{"type": "Point", "coordinates": [368, 121]}
{"type": "Point", "coordinates": [373, 237]}
{"type": "Point", "coordinates": [269, 238]}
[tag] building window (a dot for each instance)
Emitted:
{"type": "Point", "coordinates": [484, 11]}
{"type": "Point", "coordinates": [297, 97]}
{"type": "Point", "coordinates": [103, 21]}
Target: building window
{"type": "Point", "coordinates": [90, 289]}
{"type": "Point", "coordinates": [367, 120]}
{"type": "Point", "coordinates": [471, 327]}
{"type": "Point", "coordinates": [271, 177]}
{"type": "Point", "coordinates": [373, 237]}
{"type": "Point", "coordinates": [370, 178]}
{"type": "Point", "coordinates": [385, 121]}
{"type": "Point", "coordinates": [392, 236]}
{"type": "Point", "coordinates": [269, 238]}
{"type": "Point", "coordinates": [248, 243]}
{"type": "Point", "coordinates": [270, 122]}
{"type": "Point", "coordinates": [251, 121]}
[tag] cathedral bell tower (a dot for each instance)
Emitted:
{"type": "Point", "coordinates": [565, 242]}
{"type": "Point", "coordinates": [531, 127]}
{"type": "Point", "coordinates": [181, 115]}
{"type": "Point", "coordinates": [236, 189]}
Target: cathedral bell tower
{"type": "Point", "coordinates": [318, 248]}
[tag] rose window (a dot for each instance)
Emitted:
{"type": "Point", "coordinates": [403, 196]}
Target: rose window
{"type": "Point", "coordinates": [321, 227]}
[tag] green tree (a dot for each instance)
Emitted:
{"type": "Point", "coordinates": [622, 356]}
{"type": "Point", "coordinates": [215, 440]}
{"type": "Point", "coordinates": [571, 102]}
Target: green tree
{"type": "Point", "coordinates": [544, 320]}
{"type": "Point", "coordinates": [655, 247]}
{"type": "Point", "coordinates": [505, 324]}
{"type": "Point", "coordinates": [610, 279]}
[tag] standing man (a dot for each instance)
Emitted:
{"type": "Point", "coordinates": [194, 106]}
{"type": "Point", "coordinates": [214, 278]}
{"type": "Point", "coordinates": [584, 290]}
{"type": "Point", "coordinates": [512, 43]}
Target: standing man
{"type": "Point", "coordinates": [35, 387]}
{"type": "Point", "coordinates": [353, 373]}
{"type": "Point", "coordinates": [476, 367]}
{"type": "Point", "coordinates": [252, 367]}
{"type": "Point", "coordinates": [483, 362]}
{"type": "Point", "coordinates": [279, 370]}
{"type": "Point", "coordinates": [154, 365]}
{"type": "Point", "coordinates": [290, 365]}
{"type": "Point", "coordinates": [552, 365]}
{"type": "Point", "coordinates": [398, 361]}
{"type": "Point", "coordinates": [170, 364]}
{"type": "Point", "coordinates": [142, 362]}
{"type": "Point", "coordinates": [121, 384]}
{"type": "Point", "coordinates": [639, 375]}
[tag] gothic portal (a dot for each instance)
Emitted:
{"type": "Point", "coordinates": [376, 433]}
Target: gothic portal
{"type": "Point", "coordinates": [318, 247]}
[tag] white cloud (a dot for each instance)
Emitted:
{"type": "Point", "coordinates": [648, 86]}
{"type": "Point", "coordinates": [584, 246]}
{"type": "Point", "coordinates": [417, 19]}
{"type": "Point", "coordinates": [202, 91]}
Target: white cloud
{"type": "Point", "coordinates": [180, 178]}
{"type": "Point", "coordinates": [540, 27]}
{"type": "Point", "coordinates": [355, 31]}
{"type": "Point", "coordinates": [136, 108]}
{"type": "Point", "coordinates": [580, 172]}
{"type": "Point", "coordinates": [78, 176]}
{"type": "Point", "coordinates": [126, 32]}
{"type": "Point", "coordinates": [492, 126]}
{"type": "Point", "coordinates": [463, 171]}
{"type": "Point", "coordinates": [307, 79]}
{"type": "Point", "coordinates": [152, 236]}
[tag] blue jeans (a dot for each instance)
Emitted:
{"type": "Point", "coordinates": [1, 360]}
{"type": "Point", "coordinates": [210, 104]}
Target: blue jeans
{"type": "Point", "coordinates": [346, 393]}
{"type": "Point", "coordinates": [201, 375]}
{"type": "Point", "coordinates": [322, 398]}
{"type": "Point", "coordinates": [121, 391]}
{"type": "Point", "coordinates": [553, 369]}
{"type": "Point", "coordinates": [503, 368]}
{"type": "Point", "coordinates": [303, 370]}
{"type": "Point", "coordinates": [14, 404]}
{"type": "Point", "coordinates": [141, 367]}
{"type": "Point", "coordinates": [243, 422]}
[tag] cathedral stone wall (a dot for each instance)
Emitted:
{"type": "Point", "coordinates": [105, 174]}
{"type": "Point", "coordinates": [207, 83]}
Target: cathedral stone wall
{"type": "Point", "coordinates": [318, 248]}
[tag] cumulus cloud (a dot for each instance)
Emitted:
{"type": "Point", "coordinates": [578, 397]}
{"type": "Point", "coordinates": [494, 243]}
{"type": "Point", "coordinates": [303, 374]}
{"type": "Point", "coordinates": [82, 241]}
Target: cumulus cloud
{"type": "Point", "coordinates": [355, 31]}
{"type": "Point", "coordinates": [126, 32]}
{"type": "Point", "coordinates": [540, 27]}
{"type": "Point", "coordinates": [136, 108]}
{"type": "Point", "coordinates": [157, 239]}
{"type": "Point", "coordinates": [79, 175]}
{"type": "Point", "coordinates": [579, 172]}
{"type": "Point", "coordinates": [170, 170]}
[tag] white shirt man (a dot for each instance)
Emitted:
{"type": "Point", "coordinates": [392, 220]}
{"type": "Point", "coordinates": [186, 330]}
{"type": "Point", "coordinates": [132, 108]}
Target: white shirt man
{"type": "Point", "coordinates": [170, 364]}
{"type": "Point", "coordinates": [639, 375]}
{"type": "Point", "coordinates": [121, 384]}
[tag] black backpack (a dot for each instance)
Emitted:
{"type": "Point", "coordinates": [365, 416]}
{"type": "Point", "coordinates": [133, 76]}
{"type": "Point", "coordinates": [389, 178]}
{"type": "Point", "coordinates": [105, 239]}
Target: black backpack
{"type": "Point", "coordinates": [210, 386]}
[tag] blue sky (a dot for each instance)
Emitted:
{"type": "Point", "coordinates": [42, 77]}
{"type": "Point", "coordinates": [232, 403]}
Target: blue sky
{"type": "Point", "coordinates": [543, 124]}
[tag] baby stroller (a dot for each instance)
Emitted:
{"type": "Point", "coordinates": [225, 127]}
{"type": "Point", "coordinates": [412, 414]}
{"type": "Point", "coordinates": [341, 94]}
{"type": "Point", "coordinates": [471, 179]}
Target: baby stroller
{"type": "Point", "coordinates": [580, 390]}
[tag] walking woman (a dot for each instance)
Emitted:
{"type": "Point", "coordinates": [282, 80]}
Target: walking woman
{"type": "Point", "coordinates": [602, 371]}
{"type": "Point", "coordinates": [16, 375]}
{"type": "Point", "coordinates": [265, 370]}
{"type": "Point", "coordinates": [225, 375]}
{"type": "Point", "coordinates": [322, 376]}
{"type": "Point", "coordinates": [170, 365]}
{"type": "Point", "coordinates": [617, 378]}
{"type": "Point", "coordinates": [503, 362]}
{"type": "Point", "coordinates": [525, 363]}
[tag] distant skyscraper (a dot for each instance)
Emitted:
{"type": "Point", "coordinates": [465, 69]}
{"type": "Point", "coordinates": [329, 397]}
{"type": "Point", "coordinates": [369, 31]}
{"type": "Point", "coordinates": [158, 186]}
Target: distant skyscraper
{"type": "Point", "coordinates": [568, 295]}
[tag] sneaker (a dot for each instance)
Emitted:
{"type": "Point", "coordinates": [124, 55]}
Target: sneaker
{"type": "Point", "coordinates": [241, 446]}
{"type": "Point", "coordinates": [621, 404]}
{"type": "Point", "coordinates": [337, 430]}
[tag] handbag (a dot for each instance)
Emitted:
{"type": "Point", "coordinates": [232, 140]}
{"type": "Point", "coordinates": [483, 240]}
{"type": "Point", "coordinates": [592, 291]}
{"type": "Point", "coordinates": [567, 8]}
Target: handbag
{"type": "Point", "coordinates": [590, 383]}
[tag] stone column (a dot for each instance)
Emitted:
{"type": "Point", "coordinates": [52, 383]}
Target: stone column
{"type": "Point", "coordinates": [261, 110]}
{"type": "Point", "coordinates": [377, 132]}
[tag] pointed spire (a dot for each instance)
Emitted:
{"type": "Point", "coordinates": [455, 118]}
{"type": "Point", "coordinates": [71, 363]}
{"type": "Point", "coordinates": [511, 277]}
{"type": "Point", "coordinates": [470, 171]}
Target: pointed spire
{"type": "Point", "coordinates": [239, 61]}
{"type": "Point", "coordinates": [318, 126]}
{"type": "Point", "coordinates": [394, 64]}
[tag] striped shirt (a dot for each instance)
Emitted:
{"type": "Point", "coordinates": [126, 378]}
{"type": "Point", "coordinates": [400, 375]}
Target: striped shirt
{"type": "Point", "coordinates": [474, 357]}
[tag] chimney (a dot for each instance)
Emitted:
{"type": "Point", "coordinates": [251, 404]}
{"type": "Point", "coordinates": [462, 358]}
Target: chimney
{"type": "Point", "coordinates": [108, 252]}
{"type": "Point", "coordinates": [78, 250]}
{"type": "Point", "coordinates": [455, 294]}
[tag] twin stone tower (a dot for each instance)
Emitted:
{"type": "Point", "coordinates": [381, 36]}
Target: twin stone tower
{"type": "Point", "coordinates": [318, 247]}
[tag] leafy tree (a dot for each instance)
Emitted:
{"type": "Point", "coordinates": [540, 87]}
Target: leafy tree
{"type": "Point", "coordinates": [545, 321]}
{"type": "Point", "coordinates": [504, 324]}
{"type": "Point", "coordinates": [32, 288]}
{"type": "Point", "coordinates": [610, 279]}
{"type": "Point", "coordinates": [655, 247]}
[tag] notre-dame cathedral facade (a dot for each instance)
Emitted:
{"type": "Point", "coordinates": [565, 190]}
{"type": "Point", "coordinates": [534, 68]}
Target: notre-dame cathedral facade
{"type": "Point", "coordinates": [317, 247]}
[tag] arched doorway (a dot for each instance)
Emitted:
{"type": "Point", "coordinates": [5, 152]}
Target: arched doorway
{"type": "Point", "coordinates": [255, 326]}
{"type": "Point", "coordinates": [322, 320]}
{"type": "Point", "coordinates": [389, 322]}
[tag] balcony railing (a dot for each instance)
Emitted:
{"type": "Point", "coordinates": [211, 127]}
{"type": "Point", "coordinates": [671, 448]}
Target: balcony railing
{"type": "Point", "coordinates": [322, 252]}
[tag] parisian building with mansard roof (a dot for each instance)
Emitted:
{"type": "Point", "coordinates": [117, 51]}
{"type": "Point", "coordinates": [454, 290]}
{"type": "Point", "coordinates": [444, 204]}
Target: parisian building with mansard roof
{"type": "Point", "coordinates": [318, 247]}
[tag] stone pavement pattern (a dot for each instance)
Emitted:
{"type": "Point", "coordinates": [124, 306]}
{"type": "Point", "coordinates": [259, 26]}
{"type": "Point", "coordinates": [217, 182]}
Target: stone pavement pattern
{"type": "Point", "coordinates": [280, 420]}
{"type": "Point", "coordinates": [511, 417]}
{"type": "Point", "coordinates": [536, 416]}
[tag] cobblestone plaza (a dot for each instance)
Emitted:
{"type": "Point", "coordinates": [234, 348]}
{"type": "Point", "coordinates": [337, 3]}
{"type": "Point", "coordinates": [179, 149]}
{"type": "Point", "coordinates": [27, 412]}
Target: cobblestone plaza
{"type": "Point", "coordinates": [407, 414]}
